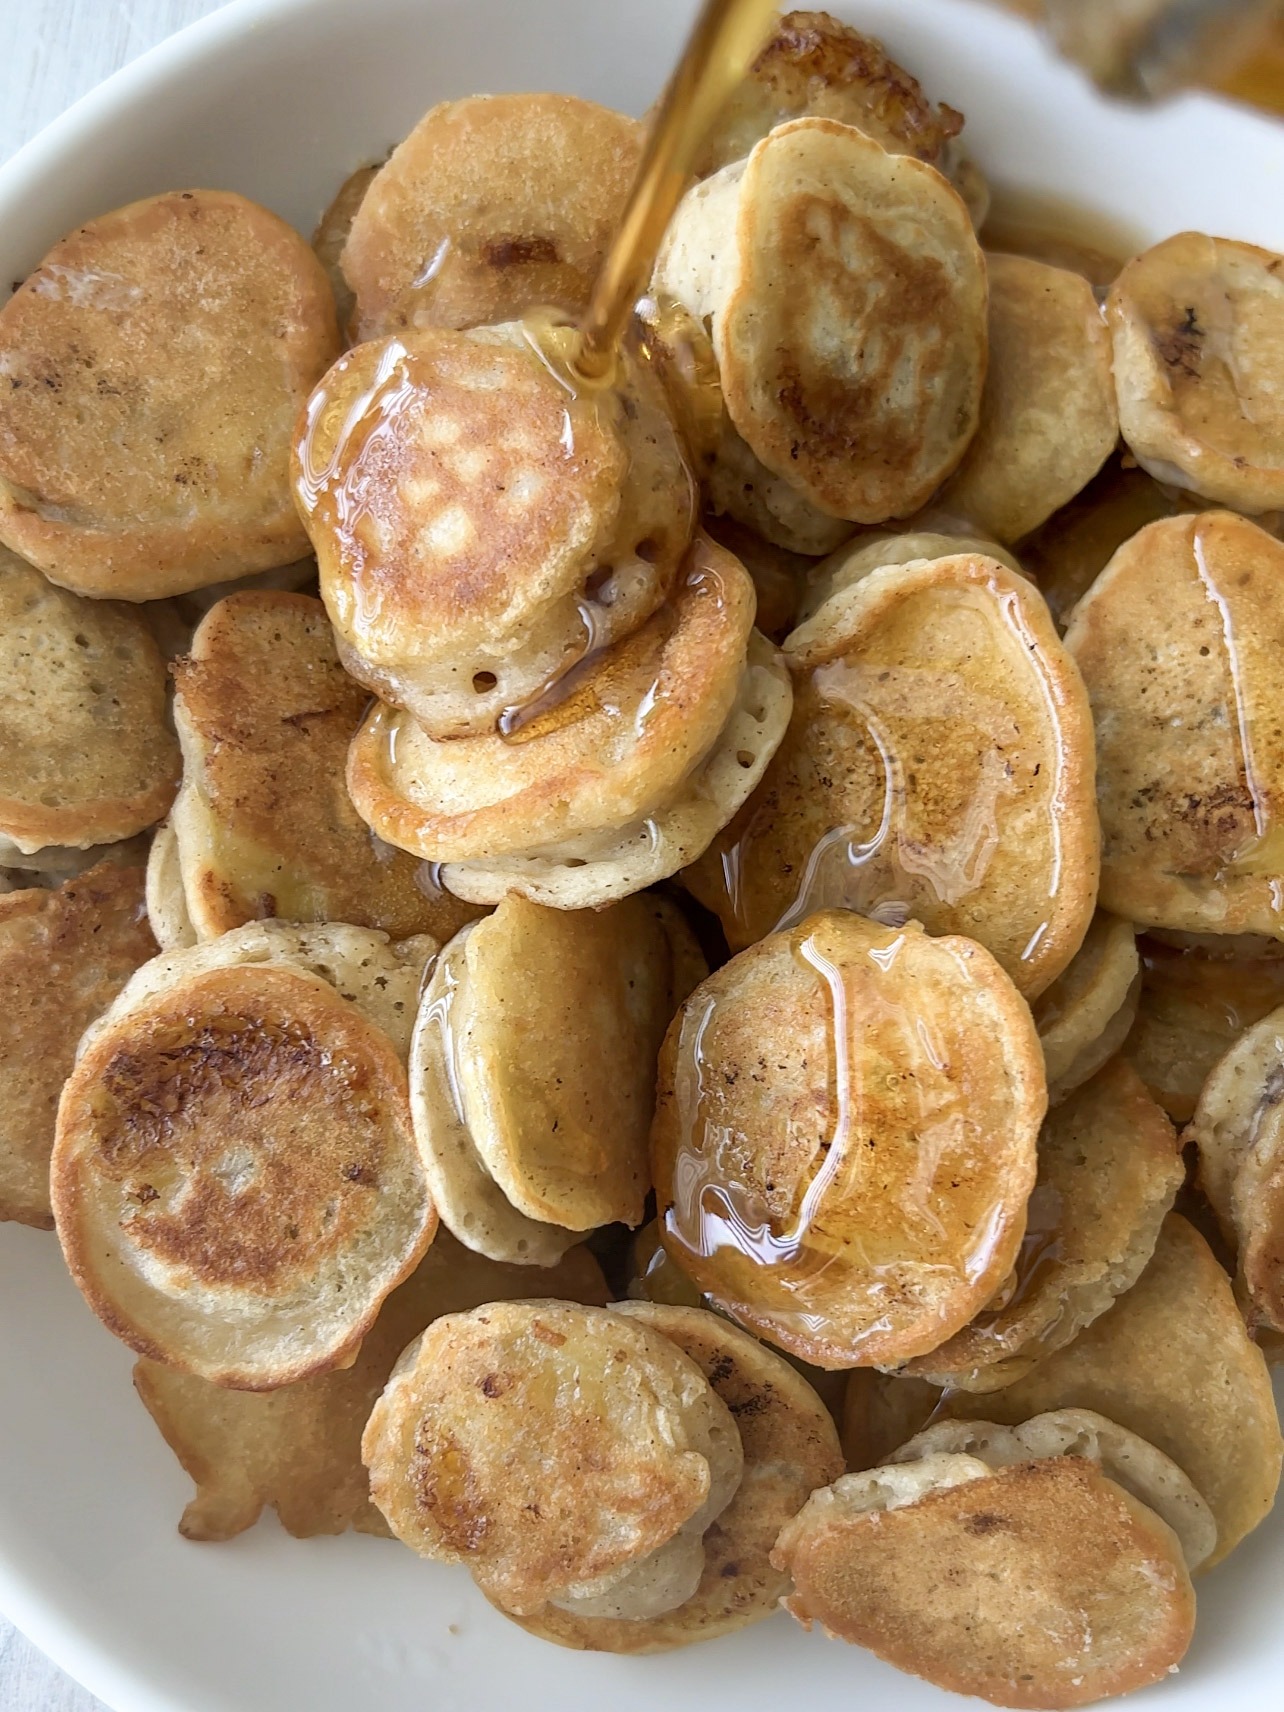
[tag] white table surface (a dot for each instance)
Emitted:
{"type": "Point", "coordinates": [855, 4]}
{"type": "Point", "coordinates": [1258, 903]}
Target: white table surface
{"type": "Point", "coordinates": [54, 50]}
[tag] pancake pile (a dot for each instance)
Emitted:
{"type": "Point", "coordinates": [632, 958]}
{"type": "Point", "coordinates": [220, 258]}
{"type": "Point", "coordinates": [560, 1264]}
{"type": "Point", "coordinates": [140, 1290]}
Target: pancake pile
{"type": "Point", "coordinates": [669, 987]}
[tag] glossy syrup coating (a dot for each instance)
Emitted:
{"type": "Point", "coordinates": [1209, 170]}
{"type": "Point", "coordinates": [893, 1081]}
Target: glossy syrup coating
{"type": "Point", "coordinates": [844, 1141]}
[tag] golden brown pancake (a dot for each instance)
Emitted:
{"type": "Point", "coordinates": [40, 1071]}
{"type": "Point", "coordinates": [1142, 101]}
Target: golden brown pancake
{"type": "Point", "coordinates": [235, 1179]}
{"type": "Point", "coordinates": [1198, 330]}
{"type": "Point", "coordinates": [846, 295]}
{"type": "Point", "coordinates": [297, 1450]}
{"type": "Point", "coordinates": [263, 822]}
{"type": "Point", "coordinates": [491, 206]}
{"type": "Point", "coordinates": [1109, 1169]}
{"type": "Point", "coordinates": [790, 1448]}
{"type": "Point", "coordinates": [1181, 644]}
{"type": "Point", "coordinates": [156, 360]}
{"type": "Point", "coordinates": [938, 766]}
{"type": "Point", "coordinates": [478, 528]}
{"type": "Point", "coordinates": [86, 753]}
{"type": "Point", "coordinates": [616, 1430]}
{"type": "Point", "coordinates": [1042, 1584]}
{"type": "Point", "coordinates": [1084, 1017]}
{"type": "Point", "coordinates": [331, 235]}
{"type": "Point", "coordinates": [1048, 416]}
{"type": "Point", "coordinates": [844, 1139]}
{"type": "Point", "coordinates": [64, 955]}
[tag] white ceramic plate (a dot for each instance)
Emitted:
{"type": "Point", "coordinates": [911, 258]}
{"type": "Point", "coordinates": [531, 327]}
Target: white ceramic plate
{"type": "Point", "coordinates": [279, 99]}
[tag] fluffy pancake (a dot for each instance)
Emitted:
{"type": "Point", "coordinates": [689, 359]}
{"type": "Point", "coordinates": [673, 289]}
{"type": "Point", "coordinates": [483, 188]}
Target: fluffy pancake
{"type": "Point", "coordinates": [617, 1431]}
{"type": "Point", "coordinates": [235, 1178]}
{"type": "Point", "coordinates": [478, 527]}
{"type": "Point", "coordinates": [331, 235]}
{"type": "Point", "coordinates": [1181, 644]}
{"type": "Point", "coordinates": [166, 901]}
{"type": "Point", "coordinates": [86, 753]}
{"type": "Point", "coordinates": [1198, 331]}
{"type": "Point", "coordinates": [846, 295]}
{"type": "Point", "coordinates": [1172, 1362]}
{"type": "Point", "coordinates": [1109, 1169]}
{"type": "Point", "coordinates": [263, 822]}
{"type": "Point", "coordinates": [1048, 416]}
{"type": "Point", "coordinates": [1084, 1017]}
{"type": "Point", "coordinates": [854, 561]}
{"type": "Point", "coordinates": [938, 765]}
{"type": "Point", "coordinates": [790, 1448]}
{"type": "Point", "coordinates": [491, 206]}
{"type": "Point", "coordinates": [297, 1450]}
{"type": "Point", "coordinates": [844, 1140]}
{"type": "Point", "coordinates": [156, 360]}
{"type": "Point", "coordinates": [1042, 1584]}
{"type": "Point", "coordinates": [64, 955]}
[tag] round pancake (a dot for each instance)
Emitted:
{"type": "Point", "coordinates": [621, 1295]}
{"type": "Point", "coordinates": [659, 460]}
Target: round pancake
{"type": "Point", "coordinates": [1198, 331]}
{"type": "Point", "coordinates": [331, 236]}
{"type": "Point", "coordinates": [64, 955]}
{"type": "Point", "coordinates": [1172, 1362]}
{"type": "Point", "coordinates": [620, 741]}
{"type": "Point", "coordinates": [1109, 1169]}
{"type": "Point", "coordinates": [1043, 1584]}
{"type": "Point", "coordinates": [491, 206]}
{"type": "Point", "coordinates": [235, 1179]}
{"type": "Point", "coordinates": [1181, 644]}
{"type": "Point", "coordinates": [881, 1412]}
{"type": "Point", "coordinates": [938, 766]}
{"type": "Point", "coordinates": [298, 1449]}
{"type": "Point", "coordinates": [853, 562]}
{"type": "Point", "coordinates": [790, 1448]}
{"type": "Point", "coordinates": [1084, 1017]}
{"type": "Point", "coordinates": [844, 1139]}
{"type": "Point", "coordinates": [479, 528]}
{"type": "Point", "coordinates": [862, 396]}
{"type": "Point", "coordinates": [777, 574]}
{"type": "Point", "coordinates": [86, 752]}
{"type": "Point", "coordinates": [167, 913]}
{"type": "Point", "coordinates": [263, 822]}
{"type": "Point", "coordinates": [1048, 415]}
{"type": "Point", "coordinates": [157, 359]}
{"type": "Point", "coordinates": [617, 1433]}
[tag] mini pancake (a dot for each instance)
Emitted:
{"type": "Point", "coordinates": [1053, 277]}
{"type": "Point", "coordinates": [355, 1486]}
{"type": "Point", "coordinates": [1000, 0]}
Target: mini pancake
{"type": "Point", "coordinates": [1109, 1169]}
{"type": "Point", "coordinates": [331, 236]}
{"type": "Point", "coordinates": [881, 1412]}
{"type": "Point", "coordinates": [1084, 1017]}
{"type": "Point", "coordinates": [777, 574]}
{"type": "Point", "coordinates": [615, 1429]}
{"type": "Point", "coordinates": [790, 1448]}
{"type": "Point", "coordinates": [1042, 1584]}
{"type": "Point", "coordinates": [157, 359]}
{"type": "Point", "coordinates": [1172, 1362]}
{"type": "Point", "coordinates": [235, 1179]}
{"type": "Point", "coordinates": [853, 562]}
{"type": "Point", "coordinates": [64, 955]}
{"type": "Point", "coordinates": [1239, 1129]}
{"type": "Point", "coordinates": [491, 206]}
{"type": "Point", "coordinates": [167, 910]}
{"type": "Point", "coordinates": [844, 1139]}
{"type": "Point", "coordinates": [297, 1450]}
{"type": "Point", "coordinates": [1048, 415]}
{"type": "Point", "coordinates": [86, 753]}
{"type": "Point", "coordinates": [862, 397]}
{"type": "Point", "coordinates": [1181, 644]}
{"type": "Point", "coordinates": [479, 527]}
{"type": "Point", "coordinates": [263, 822]}
{"type": "Point", "coordinates": [938, 766]}
{"type": "Point", "coordinates": [1198, 331]}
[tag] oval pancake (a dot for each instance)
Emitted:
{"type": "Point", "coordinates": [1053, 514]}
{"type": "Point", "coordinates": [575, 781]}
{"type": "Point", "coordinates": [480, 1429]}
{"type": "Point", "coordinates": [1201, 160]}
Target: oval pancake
{"type": "Point", "coordinates": [1043, 1584]}
{"type": "Point", "coordinates": [64, 955]}
{"type": "Point", "coordinates": [263, 823]}
{"type": "Point", "coordinates": [619, 1433]}
{"type": "Point", "coordinates": [938, 766]}
{"type": "Point", "coordinates": [297, 1450]}
{"type": "Point", "coordinates": [846, 294]}
{"type": "Point", "coordinates": [844, 1139]}
{"type": "Point", "coordinates": [1048, 415]}
{"type": "Point", "coordinates": [86, 752]}
{"type": "Point", "coordinates": [491, 206]}
{"type": "Point", "coordinates": [1181, 644]}
{"type": "Point", "coordinates": [1084, 1017]}
{"type": "Point", "coordinates": [790, 1448]}
{"type": "Point", "coordinates": [1198, 330]}
{"type": "Point", "coordinates": [157, 359]}
{"type": "Point", "coordinates": [331, 236]}
{"type": "Point", "coordinates": [478, 527]}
